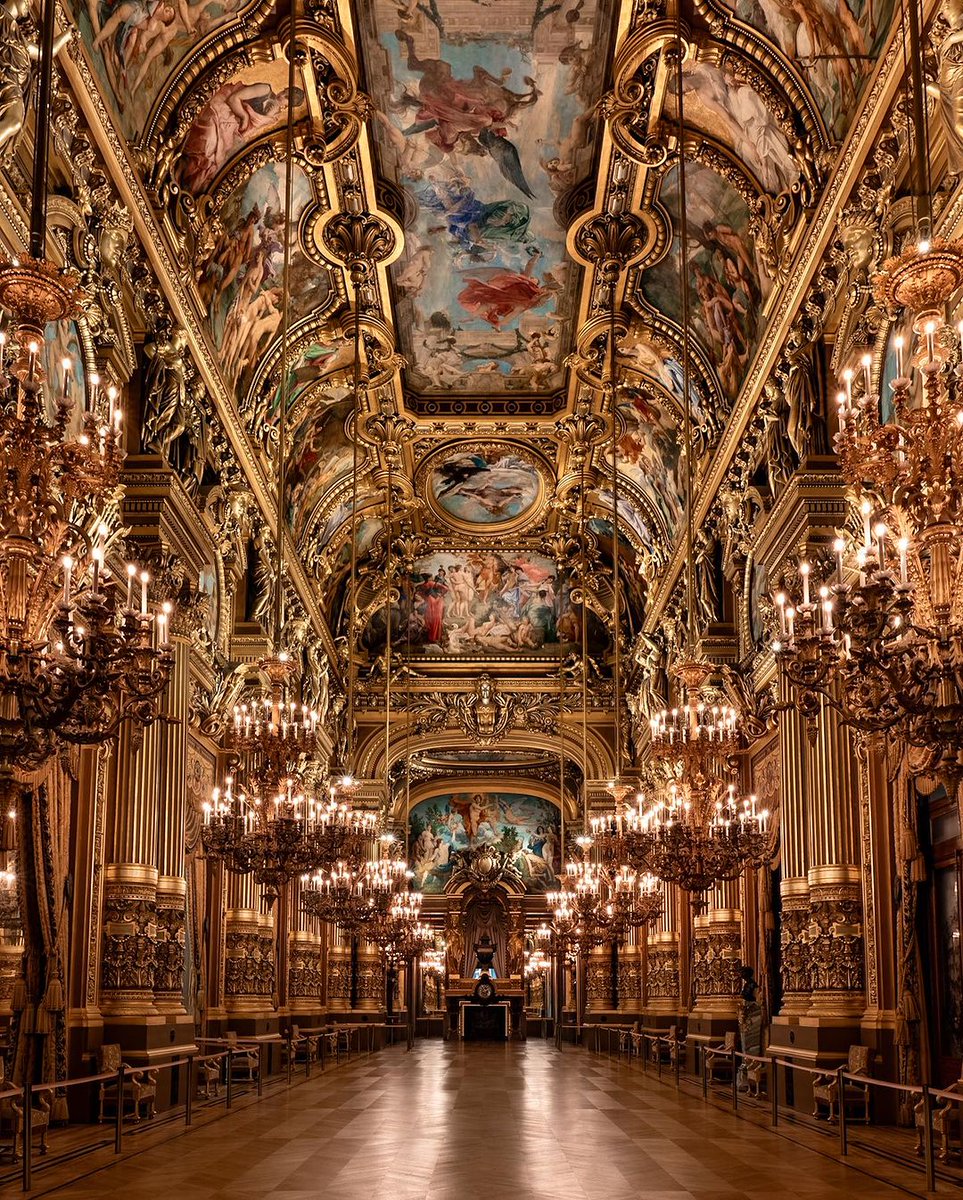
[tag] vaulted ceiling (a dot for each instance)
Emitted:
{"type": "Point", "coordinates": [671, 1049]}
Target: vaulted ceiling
{"type": "Point", "coordinates": [482, 137]}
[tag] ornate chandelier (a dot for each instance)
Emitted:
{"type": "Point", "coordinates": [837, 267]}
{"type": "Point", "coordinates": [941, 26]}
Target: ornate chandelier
{"type": "Point", "coordinates": [80, 650]}
{"type": "Point", "coordinates": [400, 935]}
{"type": "Point", "coordinates": [597, 904]}
{"type": "Point", "coordinates": [700, 832]}
{"type": "Point", "coordinates": [880, 637]}
{"type": "Point", "coordinates": [352, 894]}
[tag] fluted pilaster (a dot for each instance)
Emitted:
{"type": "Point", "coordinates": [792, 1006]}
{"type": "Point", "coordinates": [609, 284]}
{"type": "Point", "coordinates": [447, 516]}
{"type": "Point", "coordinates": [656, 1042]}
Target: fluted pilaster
{"type": "Point", "coordinates": [129, 934]}
{"type": "Point", "coordinates": [835, 935]}
{"type": "Point", "coordinates": [172, 814]}
{"type": "Point", "coordinates": [795, 856]}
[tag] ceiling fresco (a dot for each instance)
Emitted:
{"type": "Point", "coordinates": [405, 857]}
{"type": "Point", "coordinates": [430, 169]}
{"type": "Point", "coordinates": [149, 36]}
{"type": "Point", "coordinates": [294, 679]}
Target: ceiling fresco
{"type": "Point", "coordinates": [481, 139]}
{"type": "Point", "coordinates": [484, 117]}
{"type": "Point", "coordinates": [832, 43]}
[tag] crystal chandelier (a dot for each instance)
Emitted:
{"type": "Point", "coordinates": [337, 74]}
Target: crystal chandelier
{"type": "Point", "coordinates": [597, 904]}
{"type": "Point", "coordinates": [80, 649]}
{"type": "Point", "coordinates": [880, 635]}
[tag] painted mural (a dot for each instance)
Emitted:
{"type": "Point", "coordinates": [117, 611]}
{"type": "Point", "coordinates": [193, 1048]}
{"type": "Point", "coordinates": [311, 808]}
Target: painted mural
{"type": "Point", "coordinates": [629, 516]}
{"type": "Point", "coordinates": [649, 455]}
{"type": "Point", "coordinates": [727, 286]}
{"type": "Point", "coordinates": [732, 112]}
{"type": "Point", "coordinates": [136, 44]}
{"type": "Point", "coordinates": [321, 454]}
{"type": "Point", "coordinates": [483, 485]}
{"type": "Point", "coordinates": [834, 43]}
{"type": "Point", "coordinates": [485, 115]}
{"type": "Point", "coordinates": [482, 602]}
{"type": "Point", "coordinates": [240, 280]}
{"type": "Point", "coordinates": [245, 108]}
{"type": "Point", "coordinates": [446, 828]}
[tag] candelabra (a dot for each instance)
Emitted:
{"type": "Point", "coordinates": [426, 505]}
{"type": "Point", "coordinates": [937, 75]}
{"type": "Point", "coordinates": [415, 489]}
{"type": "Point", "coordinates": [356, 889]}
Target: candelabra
{"type": "Point", "coordinates": [401, 936]}
{"type": "Point", "coordinates": [287, 835]}
{"type": "Point", "coordinates": [880, 637]}
{"type": "Point", "coordinates": [78, 655]}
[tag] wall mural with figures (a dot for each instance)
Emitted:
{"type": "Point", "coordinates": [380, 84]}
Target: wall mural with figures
{"type": "Point", "coordinates": [483, 602]}
{"type": "Point", "coordinates": [446, 830]}
{"type": "Point", "coordinates": [239, 281]}
{"type": "Point", "coordinates": [484, 116]}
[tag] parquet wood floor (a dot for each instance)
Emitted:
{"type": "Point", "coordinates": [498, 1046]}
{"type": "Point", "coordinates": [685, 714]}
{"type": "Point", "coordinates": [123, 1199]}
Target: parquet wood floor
{"type": "Point", "coordinates": [451, 1122]}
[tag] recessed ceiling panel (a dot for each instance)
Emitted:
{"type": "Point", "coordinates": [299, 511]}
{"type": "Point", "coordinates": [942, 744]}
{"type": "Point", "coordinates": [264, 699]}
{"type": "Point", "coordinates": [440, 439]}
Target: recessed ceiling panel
{"type": "Point", "coordinates": [484, 118]}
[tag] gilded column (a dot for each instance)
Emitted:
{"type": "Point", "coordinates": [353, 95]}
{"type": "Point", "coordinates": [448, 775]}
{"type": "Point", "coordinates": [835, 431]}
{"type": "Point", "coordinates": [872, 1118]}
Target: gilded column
{"type": "Point", "coordinates": [172, 814]}
{"type": "Point", "coordinates": [371, 978]}
{"type": "Point", "coordinates": [304, 960]}
{"type": "Point", "coordinates": [835, 934]}
{"type": "Point", "coordinates": [87, 858]}
{"type": "Point", "coordinates": [598, 979]}
{"type": "Point", "coordinates": [129, 935]}
{"type": "Point", "coordinates": [630, 976]}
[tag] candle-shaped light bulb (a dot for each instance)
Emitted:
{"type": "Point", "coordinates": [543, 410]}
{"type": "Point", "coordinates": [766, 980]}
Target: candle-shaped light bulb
{"type": "Point", "coordinates": [848, 383]}
{"type": "Point", "coordinates": [144, 581]}
{"type": "Point", "coordinates": [866, 509]}
{"type": "Point", "coordinates": [131, 576]}
{"type": "Point", "coordinates": [899, 343]}
{"type": "Point", "coordinates": [841, 403]}
{"type": "Point", "coordinates": [866, 362]}
{"type": "Point", "coordinates": [804, 573]}
{"type": "Point", "coordinates": [68, 569]}
{"type": "Point", "coordinates": [96, 562]}
{"type": "Point", "coordinates": [929, 330]}
{"type": "Point", "coordinates": [781, 605]}
{"type": "Point", "coordinates": [903, 546]}
{"type": "Point", "coordinates": [839, 545]}
{"type": "Point", "coordinates": [879, 531]}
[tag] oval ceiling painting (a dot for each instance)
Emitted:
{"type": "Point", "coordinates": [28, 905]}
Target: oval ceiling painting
{"type": "Point", "coordinates": [486, 487]}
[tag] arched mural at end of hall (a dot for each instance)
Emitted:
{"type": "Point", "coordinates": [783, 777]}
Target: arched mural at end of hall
{"type": "Point", "coordinates": [447, 828]}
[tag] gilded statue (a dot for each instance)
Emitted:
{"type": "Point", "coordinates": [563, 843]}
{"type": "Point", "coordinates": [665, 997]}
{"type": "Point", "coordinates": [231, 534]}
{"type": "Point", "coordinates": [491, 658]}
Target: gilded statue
{"type": "Point", "coordinates": [18, 57]}
{"type": "Point", "coordinates": [165, 391]}
{"type": "Point", "coordinates": [948, 88]}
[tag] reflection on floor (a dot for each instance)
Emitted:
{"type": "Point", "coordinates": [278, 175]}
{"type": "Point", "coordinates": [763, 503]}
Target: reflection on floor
{"type": "Point", "coordinates": [490, 1121]}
